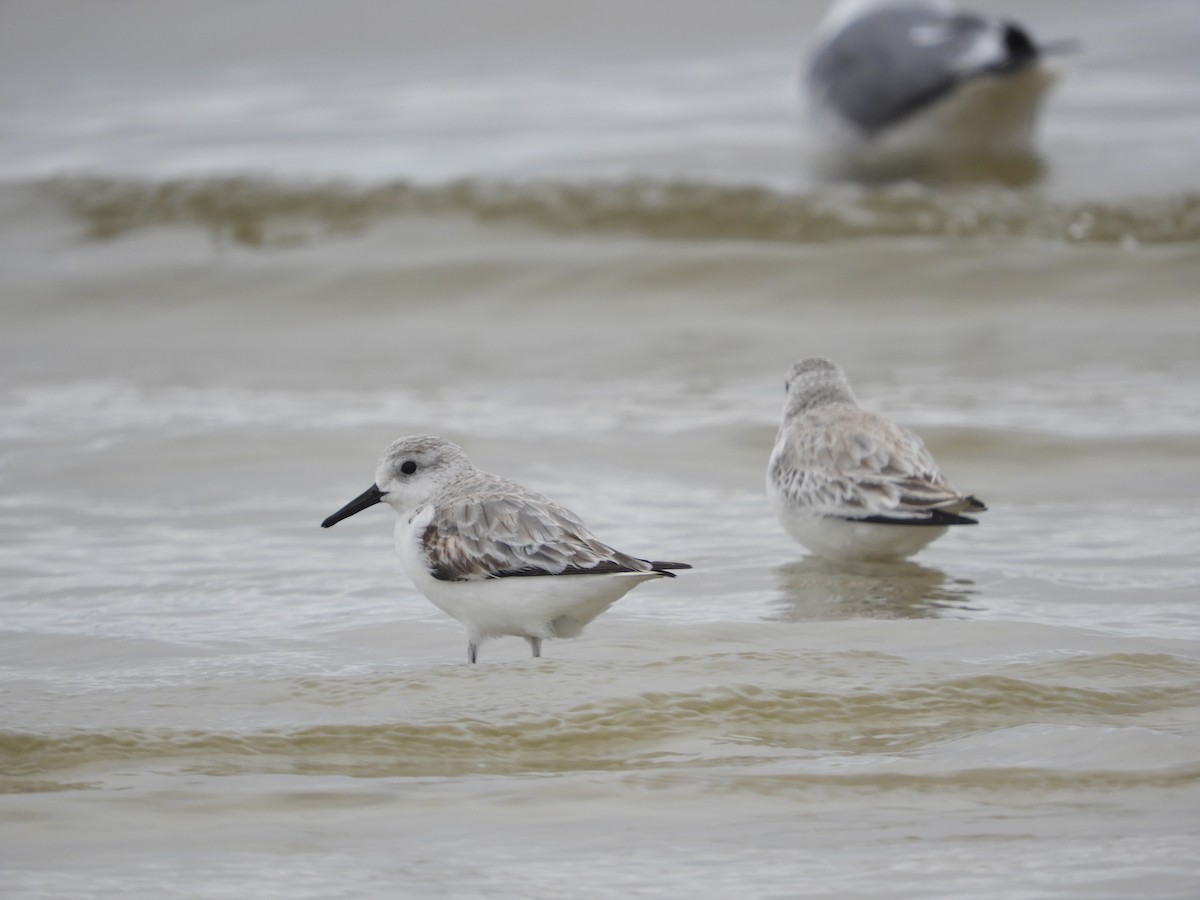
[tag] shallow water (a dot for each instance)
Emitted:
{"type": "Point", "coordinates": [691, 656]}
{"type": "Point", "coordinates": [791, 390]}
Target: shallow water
{"type": "Point", "coordinates": [226, 291]}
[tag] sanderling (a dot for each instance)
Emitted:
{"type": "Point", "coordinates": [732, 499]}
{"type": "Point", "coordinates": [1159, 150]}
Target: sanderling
{"type": "Point", "coordinates": [473, 542]}
{"type": "Point", "coordinates": [896, 85]}
{"type": "Point", "coordinates": [849, 484]}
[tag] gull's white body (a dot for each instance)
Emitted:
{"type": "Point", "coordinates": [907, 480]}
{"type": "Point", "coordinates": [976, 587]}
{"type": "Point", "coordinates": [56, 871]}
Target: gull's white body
{"type": "Point", "coordinates": [986, 122]}
{"type": "Point", "coordinates": [836, 465]}
{"type": "Point", "coordinates": [496, 556]}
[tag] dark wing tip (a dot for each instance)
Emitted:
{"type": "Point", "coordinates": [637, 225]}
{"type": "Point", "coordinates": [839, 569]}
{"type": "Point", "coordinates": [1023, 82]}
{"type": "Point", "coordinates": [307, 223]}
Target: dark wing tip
{"type": "Point", "coordinates": [936, 519]}
{"type": "Point", "coordinates": [662, 567]}
{"type": "Point", "coordinates": [974, 504]}
{"type": "Point", "coordinates": [1019, 45]}
{"type": "Point", "coordinates": [604, 567]}
{"type": "Point", "coordinates": [956, 519]}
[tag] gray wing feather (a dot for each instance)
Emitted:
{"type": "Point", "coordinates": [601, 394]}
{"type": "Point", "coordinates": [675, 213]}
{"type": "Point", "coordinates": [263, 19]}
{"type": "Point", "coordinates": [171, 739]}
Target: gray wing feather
{"type": "Point", "coordinates": [846, 462]}
{"type": "Point", "coordinates": [502, 533]}
{"type": "Point", "coordinates": [877, 70]}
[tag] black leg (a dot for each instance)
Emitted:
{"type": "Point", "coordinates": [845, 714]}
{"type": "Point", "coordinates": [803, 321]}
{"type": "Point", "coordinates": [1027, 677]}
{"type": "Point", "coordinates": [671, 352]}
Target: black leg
{"type": "Point", "coordinates": [535, 644]}
{"type": "Point", "coordinates": [472, 649]}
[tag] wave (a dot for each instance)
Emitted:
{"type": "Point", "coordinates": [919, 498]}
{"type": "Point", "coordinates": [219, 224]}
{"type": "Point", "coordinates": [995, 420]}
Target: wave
{"type": "Point", "coordinates": [642, 732]}
{"type": "Point", "coordinates": [265, 212]}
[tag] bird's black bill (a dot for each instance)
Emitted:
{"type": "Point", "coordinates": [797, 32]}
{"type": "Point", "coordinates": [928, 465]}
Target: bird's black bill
{"type": "Point", "coordinates": [369, 497]}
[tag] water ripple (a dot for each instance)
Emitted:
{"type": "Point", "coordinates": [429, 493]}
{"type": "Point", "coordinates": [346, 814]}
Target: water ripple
{"type": "Point", "coordinates": [259, 212]}
{"type": "Point", "coordinates": [648, 730]}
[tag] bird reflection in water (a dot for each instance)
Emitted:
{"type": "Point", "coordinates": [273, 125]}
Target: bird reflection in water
{"type": "Point", "coordinates": [814, 589]}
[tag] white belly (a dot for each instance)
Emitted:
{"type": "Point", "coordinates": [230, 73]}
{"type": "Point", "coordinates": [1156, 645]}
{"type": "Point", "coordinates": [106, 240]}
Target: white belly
{"type": "Point", "coordinates": [542, 606]}
{"type": "Point", "coordinates": [844, 540]}
{"type": "Point", "coordinates": [982, 124]}
{"type": "Point", "coordinates": [988, 115]}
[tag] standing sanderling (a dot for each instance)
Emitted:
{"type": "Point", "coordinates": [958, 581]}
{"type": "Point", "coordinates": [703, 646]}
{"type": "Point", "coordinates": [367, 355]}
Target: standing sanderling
{"type": "Point", "coordinates": [496, 556]}
{"type": "Point", "coordinates": [847, 483]}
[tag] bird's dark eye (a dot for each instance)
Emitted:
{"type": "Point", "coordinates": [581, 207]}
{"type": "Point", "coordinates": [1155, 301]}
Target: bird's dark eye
{"type": "Point", "coordinates": [409, 467]}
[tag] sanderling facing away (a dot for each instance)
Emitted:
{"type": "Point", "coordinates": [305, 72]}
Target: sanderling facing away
{"type": "Point", "coordinates": [850, 485]}
{"type": "Point", "coordinates": [498, 557]}
{"type": "Point", "coordinates": [900, 86]}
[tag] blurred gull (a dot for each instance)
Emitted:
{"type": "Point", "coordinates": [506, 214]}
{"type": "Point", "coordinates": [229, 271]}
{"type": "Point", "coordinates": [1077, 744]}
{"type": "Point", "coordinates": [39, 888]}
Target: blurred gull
{"type": "Point", "coordinates": [921, 88]}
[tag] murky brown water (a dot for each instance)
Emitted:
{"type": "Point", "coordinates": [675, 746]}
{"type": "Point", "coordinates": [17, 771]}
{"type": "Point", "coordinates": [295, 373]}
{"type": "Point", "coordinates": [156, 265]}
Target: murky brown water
{"type": "Point", "coordinates": [206, 344]}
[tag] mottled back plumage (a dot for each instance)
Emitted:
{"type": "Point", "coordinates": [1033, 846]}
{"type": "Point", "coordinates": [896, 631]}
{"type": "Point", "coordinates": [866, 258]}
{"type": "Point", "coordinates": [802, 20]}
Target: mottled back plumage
{"type": "Point", "coordinates": [840, 460]}
{"type": "Point", "coordinates": [488, 527]}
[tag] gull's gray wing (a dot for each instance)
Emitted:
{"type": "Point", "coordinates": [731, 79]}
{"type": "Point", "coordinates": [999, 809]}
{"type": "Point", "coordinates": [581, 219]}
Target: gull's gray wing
{"type": "Point", "coordinates": [892, 61]}
{"type": "Point", "coordinates": [845, 462]}
{"type": "Point", "coordinates": [505, 533]}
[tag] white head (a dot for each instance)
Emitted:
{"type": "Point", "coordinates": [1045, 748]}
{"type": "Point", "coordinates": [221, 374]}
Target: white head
{"type": "Point", "coordinates": [410, 472]}
{"type": "Point", "coordinates": [814, 382]}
